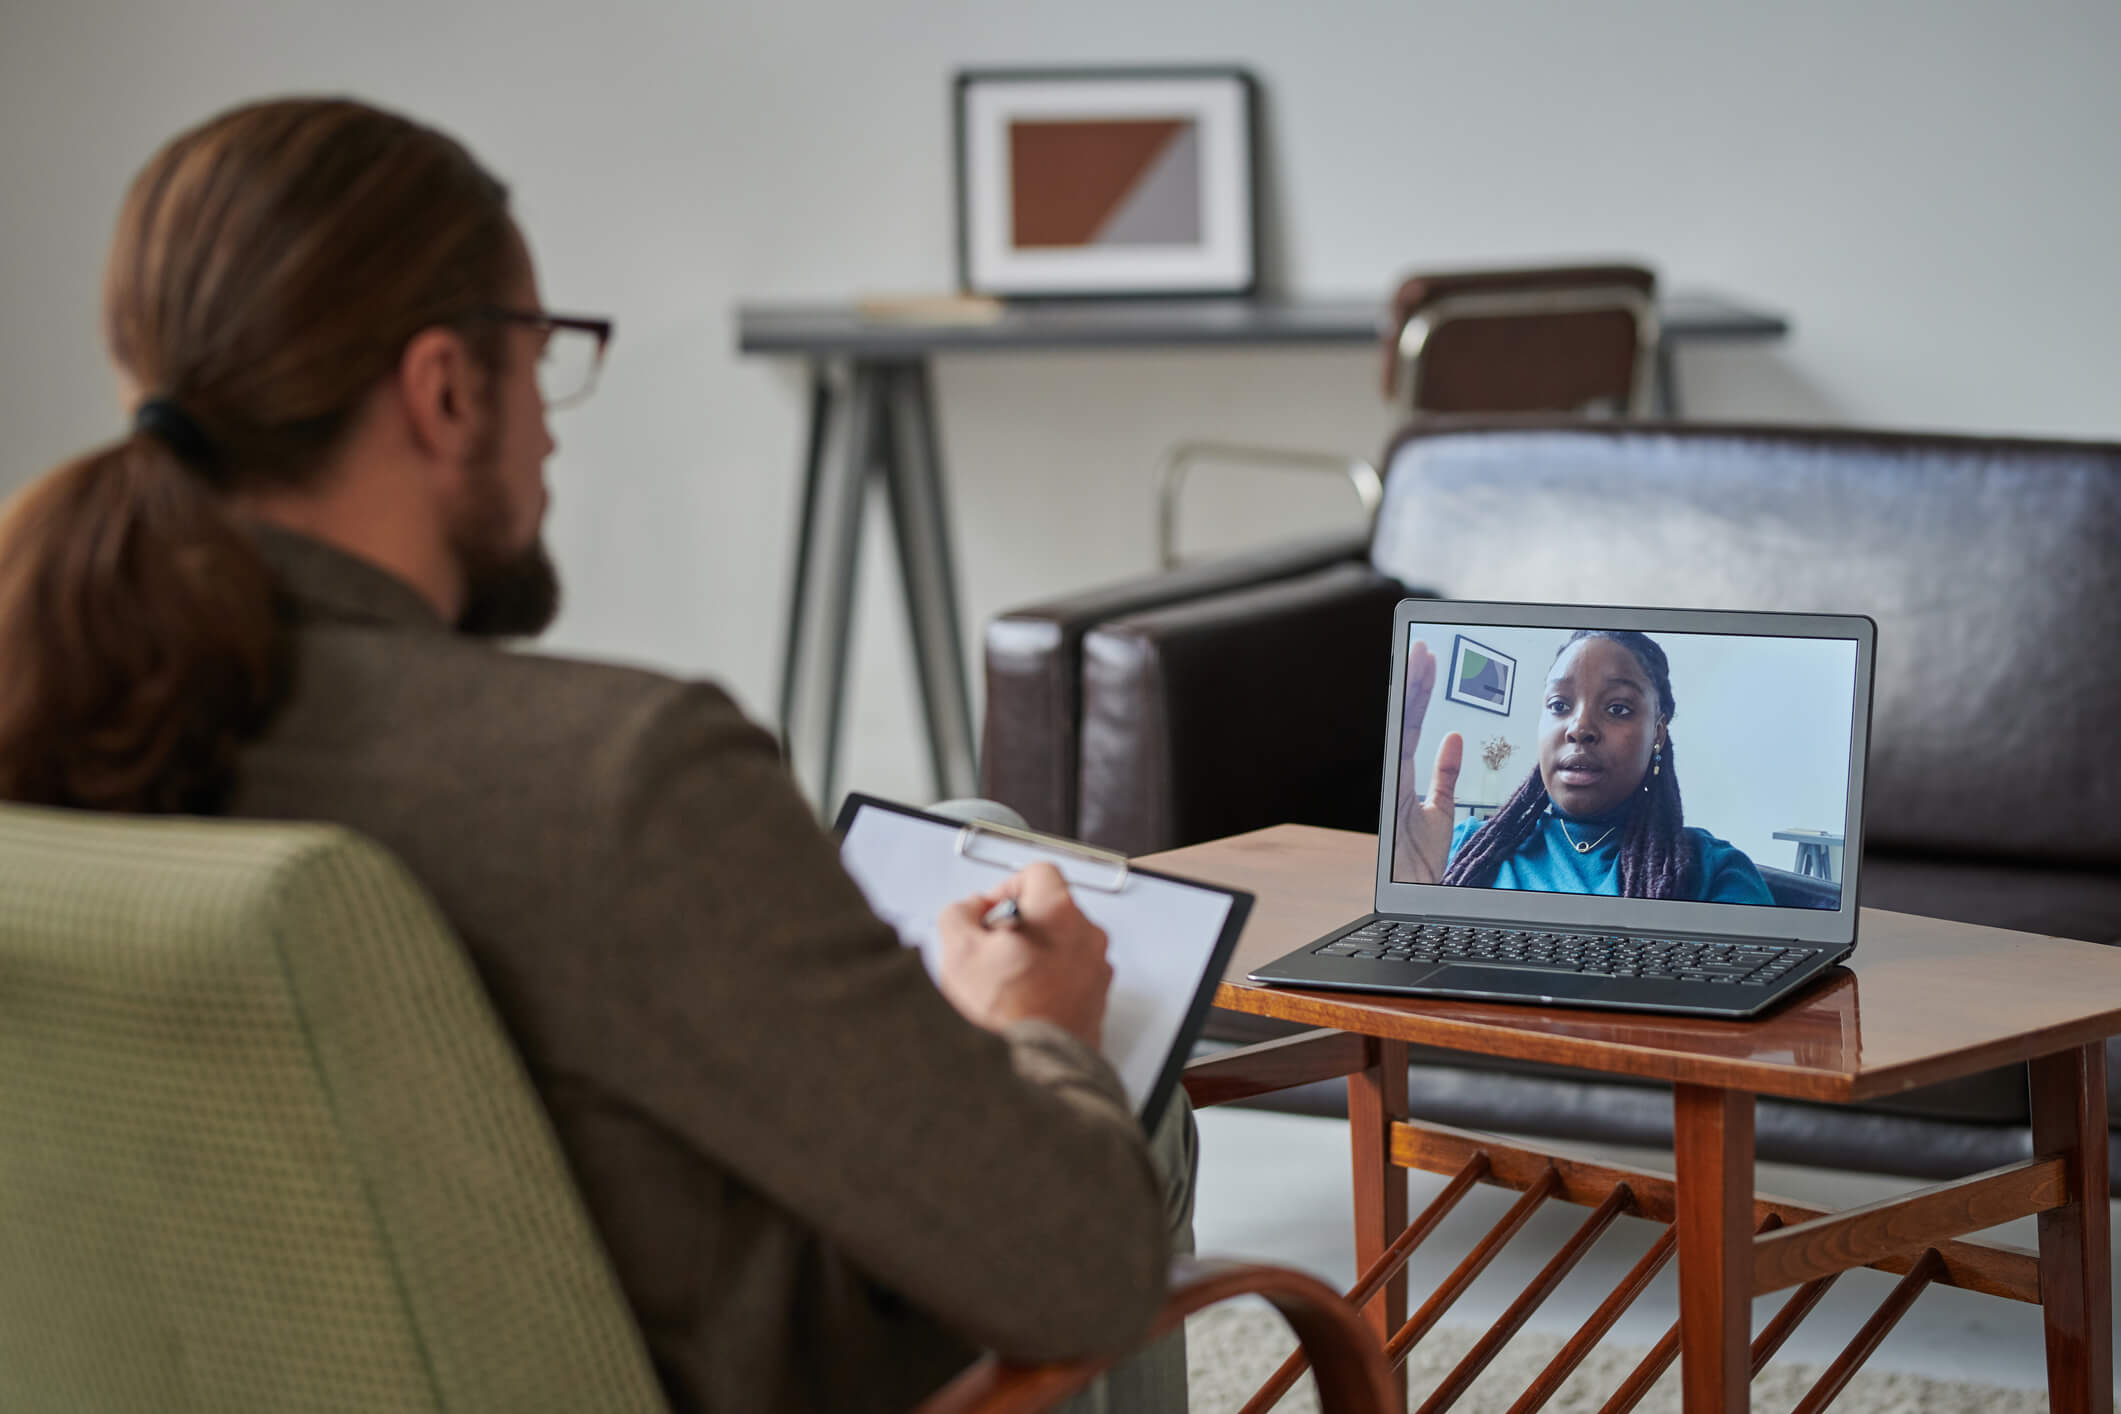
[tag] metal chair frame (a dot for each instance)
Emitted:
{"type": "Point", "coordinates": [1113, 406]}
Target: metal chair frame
{"type": "Point", "coordinates": [1413, 341]}
{"type": "Point", "coordinates": [1368, 486]}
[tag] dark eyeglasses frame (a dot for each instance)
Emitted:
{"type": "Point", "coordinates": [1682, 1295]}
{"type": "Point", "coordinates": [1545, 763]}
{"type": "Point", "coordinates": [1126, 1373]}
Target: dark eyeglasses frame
{"type": "Point", "coordinates": [540, 319]}
{"type": "Point", "coordinates": [600, 329]}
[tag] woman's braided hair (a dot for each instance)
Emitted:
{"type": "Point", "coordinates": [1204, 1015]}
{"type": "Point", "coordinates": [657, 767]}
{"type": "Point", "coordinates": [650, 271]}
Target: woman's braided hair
{"type": "Point", "coordinates": [1655, 861]}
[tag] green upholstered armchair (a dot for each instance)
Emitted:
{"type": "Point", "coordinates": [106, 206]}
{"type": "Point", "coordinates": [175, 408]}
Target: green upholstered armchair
{"type": "Point", "coordinates": [264, 1146]}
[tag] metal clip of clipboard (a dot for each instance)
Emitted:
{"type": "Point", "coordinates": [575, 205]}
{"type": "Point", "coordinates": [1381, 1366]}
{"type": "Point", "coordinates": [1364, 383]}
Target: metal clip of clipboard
{"type": "Point", "coordinates": [973, 829]}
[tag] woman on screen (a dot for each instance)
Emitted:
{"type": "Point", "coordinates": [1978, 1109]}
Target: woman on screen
{"type": "Point", "coordinates": [1600, 815]}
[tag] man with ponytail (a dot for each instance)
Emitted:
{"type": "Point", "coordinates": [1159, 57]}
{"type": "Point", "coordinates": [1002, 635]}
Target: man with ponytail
{"type": "Point", "coordinates": [824, 1184]}
{"type": "Point", "coordinates": [1599, 815]}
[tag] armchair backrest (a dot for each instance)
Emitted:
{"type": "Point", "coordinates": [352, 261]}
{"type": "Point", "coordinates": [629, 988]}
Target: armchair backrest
{"type": "Point", "coordinates": [264, 1146]}
{"type": "Point", "coordinates": [1991, 566]}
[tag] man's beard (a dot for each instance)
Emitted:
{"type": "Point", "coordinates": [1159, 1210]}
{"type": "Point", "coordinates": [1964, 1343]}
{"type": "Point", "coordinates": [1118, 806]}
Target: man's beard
{"type": "Point", "coordinates": [507, 593]}
{"type": "Point", "coordinates": [515, 597]}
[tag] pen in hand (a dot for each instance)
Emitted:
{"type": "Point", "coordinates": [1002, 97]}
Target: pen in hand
{"type": "Point", "coordinates": [1025, 952]}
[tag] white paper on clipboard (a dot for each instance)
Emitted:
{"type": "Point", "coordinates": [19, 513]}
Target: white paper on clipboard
{"type": "Point", "coordinates": [1168, 939]}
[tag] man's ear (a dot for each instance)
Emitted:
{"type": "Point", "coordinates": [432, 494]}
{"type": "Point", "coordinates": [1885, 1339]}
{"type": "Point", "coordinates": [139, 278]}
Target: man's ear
{"type": "Point", "coordinates": [436, 381]}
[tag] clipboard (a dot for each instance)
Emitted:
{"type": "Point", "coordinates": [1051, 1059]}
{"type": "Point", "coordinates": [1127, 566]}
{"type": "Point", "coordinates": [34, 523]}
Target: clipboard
{"type": "Point", "coordinates": [1170, 939]}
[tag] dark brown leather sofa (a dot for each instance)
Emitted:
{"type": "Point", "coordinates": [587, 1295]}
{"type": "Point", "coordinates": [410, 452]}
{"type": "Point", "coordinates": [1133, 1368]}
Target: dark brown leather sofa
{"type": "Point", "coordinates": [1234, 695]}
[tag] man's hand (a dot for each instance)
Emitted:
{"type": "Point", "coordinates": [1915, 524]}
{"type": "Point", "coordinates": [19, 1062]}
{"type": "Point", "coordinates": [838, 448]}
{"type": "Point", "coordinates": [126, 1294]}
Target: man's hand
{"type": "Point", "coordinates": [1421, 841]}
{"type": "Point", "coordinates": [1050, 965]}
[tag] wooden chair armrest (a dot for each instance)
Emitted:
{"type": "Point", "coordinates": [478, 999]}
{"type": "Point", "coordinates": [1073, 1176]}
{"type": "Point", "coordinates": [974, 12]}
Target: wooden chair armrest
{"type": "Point", "coordinates": [1344, 1352]}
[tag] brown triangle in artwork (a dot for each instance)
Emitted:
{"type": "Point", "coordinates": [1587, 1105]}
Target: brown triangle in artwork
{"type": "Point", "coordinates": [1067, 177]}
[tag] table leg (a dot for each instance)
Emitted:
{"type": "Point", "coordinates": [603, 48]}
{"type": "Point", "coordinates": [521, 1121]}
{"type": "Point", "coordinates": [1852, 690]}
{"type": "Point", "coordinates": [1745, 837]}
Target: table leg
{"type": "Point", "coordinates": [1712, 1134]}
{"type": "Point", "coordinates": [821, 606]}
{"type": "Point", "coordinates": [805, 533]}
{"type": "Point", "coordinates": [1377, 1098]}
{"type": "Point", "coordinates": [913, 475]}
{"type": "Point", "coordinates": [2076, 1295]}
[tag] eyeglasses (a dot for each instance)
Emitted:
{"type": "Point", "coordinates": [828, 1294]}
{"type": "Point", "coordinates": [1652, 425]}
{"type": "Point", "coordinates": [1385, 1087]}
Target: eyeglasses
{"type": "Point", "coordinates": [569, 356]}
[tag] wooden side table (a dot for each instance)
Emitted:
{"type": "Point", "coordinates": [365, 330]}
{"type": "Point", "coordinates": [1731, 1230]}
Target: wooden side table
{"type": "Point", "coordinates": [1921, 1001]}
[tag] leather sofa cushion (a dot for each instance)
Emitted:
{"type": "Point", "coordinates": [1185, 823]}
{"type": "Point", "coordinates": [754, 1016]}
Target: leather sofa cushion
{"type": "Point", "coordinates": [1989, 566]}
{"type": "Point", "coordinates": [2062, 903]}
{"type": "Point", "coordinates": [1609, 1112]}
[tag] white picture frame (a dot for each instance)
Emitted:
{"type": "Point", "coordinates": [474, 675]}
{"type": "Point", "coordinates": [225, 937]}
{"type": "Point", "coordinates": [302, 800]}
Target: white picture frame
{"type": "Point", "coordinates": [1107, 182]}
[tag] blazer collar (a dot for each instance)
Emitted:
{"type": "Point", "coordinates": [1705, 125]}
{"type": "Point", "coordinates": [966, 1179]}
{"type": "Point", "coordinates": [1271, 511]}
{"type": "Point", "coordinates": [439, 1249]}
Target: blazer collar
{"type": "Point", "coordinates": [328, 583]}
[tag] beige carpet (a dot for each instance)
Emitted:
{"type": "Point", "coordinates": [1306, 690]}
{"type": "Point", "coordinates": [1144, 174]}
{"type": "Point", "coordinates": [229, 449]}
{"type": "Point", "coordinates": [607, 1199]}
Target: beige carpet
{"type": "Point", "coordinates": [1233, 1347]}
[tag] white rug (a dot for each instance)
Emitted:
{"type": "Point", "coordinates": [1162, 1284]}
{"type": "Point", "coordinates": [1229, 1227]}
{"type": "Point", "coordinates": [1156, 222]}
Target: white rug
{"type": "Point", "coordinates": [1232, 1348]}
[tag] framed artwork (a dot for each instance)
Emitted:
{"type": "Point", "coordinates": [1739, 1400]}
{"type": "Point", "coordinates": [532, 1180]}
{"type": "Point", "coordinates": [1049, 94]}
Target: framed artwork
{"type": "Point", "coordinates": [1480, 676]}
{"type": "Point", "coordinates": [1103, 182]}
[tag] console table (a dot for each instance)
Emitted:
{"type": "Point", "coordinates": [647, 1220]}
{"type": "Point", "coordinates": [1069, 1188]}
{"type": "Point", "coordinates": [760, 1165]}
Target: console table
{"type": "Point", "coordinates": [1921, 1000]}
{"type": "Point", "coordinates": [872, 412]}
{"type": "Point", "coordinates": [1815, 850]}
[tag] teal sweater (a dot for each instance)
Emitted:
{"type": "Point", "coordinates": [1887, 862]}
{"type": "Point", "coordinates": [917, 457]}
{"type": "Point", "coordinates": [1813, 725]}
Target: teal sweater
{"type": "Point", "coordinates": [1548, 861]}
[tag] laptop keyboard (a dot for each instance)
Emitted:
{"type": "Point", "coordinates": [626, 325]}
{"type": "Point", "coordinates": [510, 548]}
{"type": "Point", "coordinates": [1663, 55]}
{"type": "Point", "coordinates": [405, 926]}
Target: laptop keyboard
{"type": "Point", "coordinates": [1593, 954]}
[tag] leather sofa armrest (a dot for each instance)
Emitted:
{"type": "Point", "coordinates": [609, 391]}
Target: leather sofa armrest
{"type": "Point", "coordinates": [1030, 742]}
{"type": "Point", "coordinates": [1257, 707]}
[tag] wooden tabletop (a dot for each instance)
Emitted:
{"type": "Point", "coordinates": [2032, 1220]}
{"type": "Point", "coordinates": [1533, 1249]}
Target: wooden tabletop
{"type": "Point", "coordinates": [1921, 1001]}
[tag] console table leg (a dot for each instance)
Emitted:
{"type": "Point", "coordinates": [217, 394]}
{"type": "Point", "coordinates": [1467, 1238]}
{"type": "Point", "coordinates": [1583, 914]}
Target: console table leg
{"type": "Point", "coordinates": [1377, 1099]}
{"type": "Point", "coordinates": [1713, 1156]}
{"type": "Point", "coordinates": [796, 631]}
{"type": "Point", "coordinates": [813, 463]}
{"type": "Point", "coordinates": [2076, 1294]}
{"type": "Point", "coordinates": [920, 513]}
{"type": "Point", "coordinates": [843, 451]}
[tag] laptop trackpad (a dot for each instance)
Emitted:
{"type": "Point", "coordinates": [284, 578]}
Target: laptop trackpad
{"type": "Point", "coordinates": [1513, 984]}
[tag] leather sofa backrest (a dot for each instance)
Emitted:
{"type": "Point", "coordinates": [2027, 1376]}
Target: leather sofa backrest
{"type": "Point", "coordinates": [1992, 568]}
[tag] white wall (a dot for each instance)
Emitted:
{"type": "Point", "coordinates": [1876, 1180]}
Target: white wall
{"type": "Point", "coordinates": [1761, 730]}
{"type": "Point", "coordinates": [1928, 188]}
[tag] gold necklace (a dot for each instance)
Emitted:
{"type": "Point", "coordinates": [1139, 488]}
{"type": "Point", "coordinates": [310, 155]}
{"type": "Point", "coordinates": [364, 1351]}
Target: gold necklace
{"type": "Point", "coordinates": [1581, 847]}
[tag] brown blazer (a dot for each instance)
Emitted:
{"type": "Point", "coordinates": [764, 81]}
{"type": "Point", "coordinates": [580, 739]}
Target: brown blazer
{"type": "Point", "coordinates": [820, 1186]}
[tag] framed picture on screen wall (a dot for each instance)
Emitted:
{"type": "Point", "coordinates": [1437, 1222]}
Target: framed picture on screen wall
{"type": "Point", "coordinates": [1105, 182]}
{"type": "Point", "coordinates": [1480, 676]}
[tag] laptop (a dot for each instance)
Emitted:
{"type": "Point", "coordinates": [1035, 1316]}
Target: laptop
{"type": "Point", "coordinates": [1634, 809]}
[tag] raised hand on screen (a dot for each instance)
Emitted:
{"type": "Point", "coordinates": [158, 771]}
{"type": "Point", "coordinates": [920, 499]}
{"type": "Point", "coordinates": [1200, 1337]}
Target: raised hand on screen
{"type": "Point", "coordinates": [1421, 839]}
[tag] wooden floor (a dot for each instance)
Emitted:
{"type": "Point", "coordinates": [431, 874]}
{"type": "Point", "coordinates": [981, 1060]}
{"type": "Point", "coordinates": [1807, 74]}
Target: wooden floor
{"type": "Point", "coordinates": [1275, 1187]}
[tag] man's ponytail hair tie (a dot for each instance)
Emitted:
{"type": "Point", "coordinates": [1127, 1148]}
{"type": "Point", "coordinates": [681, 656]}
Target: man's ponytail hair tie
{"type": "Point", "coordinates": [170, 425]}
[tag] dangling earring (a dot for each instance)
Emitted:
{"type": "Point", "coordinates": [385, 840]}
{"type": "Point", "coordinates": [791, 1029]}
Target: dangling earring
{"type": "Point", "coordinates": [1656, 764]}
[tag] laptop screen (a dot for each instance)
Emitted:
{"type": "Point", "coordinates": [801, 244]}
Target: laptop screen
{"type": "Point", "coordinates": [1705, 767]}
